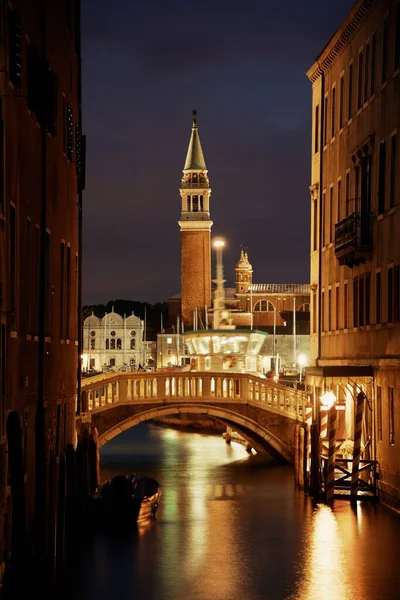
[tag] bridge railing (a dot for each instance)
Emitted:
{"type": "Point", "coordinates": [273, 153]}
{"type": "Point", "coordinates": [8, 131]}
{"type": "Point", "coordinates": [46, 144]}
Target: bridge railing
{"type": "Point", "coordinates": [103, 390]}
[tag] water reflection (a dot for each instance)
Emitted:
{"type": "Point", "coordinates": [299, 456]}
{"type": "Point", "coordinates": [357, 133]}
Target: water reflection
{"type": "Point", "coordinates": [230, 527]}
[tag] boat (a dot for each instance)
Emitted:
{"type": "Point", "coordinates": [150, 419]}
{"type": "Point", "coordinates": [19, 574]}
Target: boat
{"type": "Point", "coordinates": [125, 499]}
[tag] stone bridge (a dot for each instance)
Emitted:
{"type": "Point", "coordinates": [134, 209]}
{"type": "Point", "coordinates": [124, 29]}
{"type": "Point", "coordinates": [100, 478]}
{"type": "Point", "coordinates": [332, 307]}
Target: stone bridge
{"type": "Point", "coordinates": [263, 412]}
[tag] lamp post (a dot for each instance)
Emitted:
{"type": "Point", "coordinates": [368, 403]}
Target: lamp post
{"type": "Point", "coordinates": [219, 298]}
{"type": "Point", "coordinates": [328, 402]}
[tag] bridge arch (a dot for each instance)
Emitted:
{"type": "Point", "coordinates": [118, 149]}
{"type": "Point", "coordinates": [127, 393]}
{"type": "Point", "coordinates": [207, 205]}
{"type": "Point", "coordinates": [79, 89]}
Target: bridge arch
{"type": "Point", "coordinates": [258, 435]}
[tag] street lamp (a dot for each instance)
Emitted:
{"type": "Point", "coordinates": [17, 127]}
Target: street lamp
{"type": "Point", "coordinates": [219, 296]}
{"type": "Point", "coordinates": [302, 360]}
{"type": "Point", "coordinates": [328, 399]}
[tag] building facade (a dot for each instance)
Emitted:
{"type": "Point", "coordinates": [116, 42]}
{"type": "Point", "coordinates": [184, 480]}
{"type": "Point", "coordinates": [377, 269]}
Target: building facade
{"type": "Point", "coordinates": [195, 226]}
{"type": "Point", "coordinates": [41, 183]}
{"type": "Point", "coordinates": [113, 342]}
{"type": "Point", "coordinates": [355, 216]}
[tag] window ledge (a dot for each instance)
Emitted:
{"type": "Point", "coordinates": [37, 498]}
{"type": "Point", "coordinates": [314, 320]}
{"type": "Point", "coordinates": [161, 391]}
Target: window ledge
{"type": "Point", "coordinates": [14, 334]}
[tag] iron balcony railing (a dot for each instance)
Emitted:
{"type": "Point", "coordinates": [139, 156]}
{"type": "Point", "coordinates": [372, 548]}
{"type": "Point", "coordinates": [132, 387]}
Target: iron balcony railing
{"type": "Point", "coordinates": [354, 233]}
{"type": "Point", "coordinates": [191, 185]}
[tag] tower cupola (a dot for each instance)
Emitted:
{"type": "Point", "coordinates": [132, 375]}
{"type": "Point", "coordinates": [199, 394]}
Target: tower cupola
{"type": "Point", "coordinates": [244, 273]}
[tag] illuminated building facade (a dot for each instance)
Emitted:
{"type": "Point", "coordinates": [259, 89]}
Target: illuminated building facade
{"type": "Point", "coordinates": [113, 342]}
{"type": "Point", "coordinates": [195, 226]}
{"type": "Point", "coordinates": [41, 183]}
{"type": "Point", "coordinates": [355, 252]}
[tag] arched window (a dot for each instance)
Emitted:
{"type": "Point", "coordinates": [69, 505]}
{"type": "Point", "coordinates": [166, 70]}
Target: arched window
{"type": "Point", "coordinates": [188, 206]}
{"type": "Point", "coordinates": [107, 344]}
{"type": "Point", "coordinates": [201, 204]}
{"type": "Point", "coordinates": [92, 344]}
{"type": "Point", "coordinates": [112, 345]}
{"type": "Point", "coordinates": [133, 343]}
{"type": "Point", "coordinates": [195, 207]}
{"type": "Point", "coordinates": [264, 306]}
{"type": "Point", "coordinates": [194, 178]}
{"type": "Point", "coordinates": [304, 307]}
{"type": "Point", "coordinates": [119, 344]}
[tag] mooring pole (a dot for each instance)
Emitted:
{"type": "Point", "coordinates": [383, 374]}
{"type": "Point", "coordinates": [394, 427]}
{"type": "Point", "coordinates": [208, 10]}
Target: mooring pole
{"type": "Point", "coordinates": [357, 446]}
{"type": "Point", "coordinates": [330, 479]}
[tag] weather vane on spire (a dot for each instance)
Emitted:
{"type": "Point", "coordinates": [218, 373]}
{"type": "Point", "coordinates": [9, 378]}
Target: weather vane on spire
{"type": "Point", "coordinates": [194, 113]}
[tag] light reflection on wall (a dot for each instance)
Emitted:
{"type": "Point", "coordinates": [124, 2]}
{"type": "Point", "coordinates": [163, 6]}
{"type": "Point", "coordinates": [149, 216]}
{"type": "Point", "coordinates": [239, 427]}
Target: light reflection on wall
{"type": "Point", "coordinates": [325, 572]}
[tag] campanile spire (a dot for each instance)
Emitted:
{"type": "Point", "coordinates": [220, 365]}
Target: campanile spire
{"type": "Point", "coordinates": [195, 225]}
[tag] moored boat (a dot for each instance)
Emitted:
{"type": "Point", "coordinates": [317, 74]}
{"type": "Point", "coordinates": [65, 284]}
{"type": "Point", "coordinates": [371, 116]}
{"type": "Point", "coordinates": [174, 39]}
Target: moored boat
{"type": "Point", "coordinates": [125, 499]}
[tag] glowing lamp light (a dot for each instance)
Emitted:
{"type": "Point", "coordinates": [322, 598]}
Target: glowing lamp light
{"type": "Point", "coordinates": [328, 399]}
{"type": "Point", "coordinates": [302, 360]}
{"type": "Point", "coordinates": [218, 243]}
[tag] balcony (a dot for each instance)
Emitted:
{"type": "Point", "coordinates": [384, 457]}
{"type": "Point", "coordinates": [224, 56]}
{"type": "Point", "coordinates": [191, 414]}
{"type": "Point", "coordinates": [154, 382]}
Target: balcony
{"type": "Point", "coordinates": [353, 239]}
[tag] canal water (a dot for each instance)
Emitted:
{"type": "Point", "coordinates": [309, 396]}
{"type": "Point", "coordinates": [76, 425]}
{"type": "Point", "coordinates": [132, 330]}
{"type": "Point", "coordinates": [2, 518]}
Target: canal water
{"type": "Point", "coordinates": [232, 527]}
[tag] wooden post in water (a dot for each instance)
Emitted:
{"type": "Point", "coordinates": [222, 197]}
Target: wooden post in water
{"type": "Point", "coordinates": [301, 458]}
{"type": "Point", "coordinates": [330, 478]}
{"type": "Point", "coordinates": [296, 454]}
{"type": "Point", "coordinates": [323, 428]}
{"type": "Point", "coordinates": [307, 461]}
{"type": "Point", "coordinates": [357, 446]}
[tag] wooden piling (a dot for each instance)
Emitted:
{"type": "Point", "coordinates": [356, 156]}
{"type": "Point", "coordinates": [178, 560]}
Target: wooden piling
{"type": "Point", "coordinates": [301, 457]}
{"type": "Point", "coordinates": [296, 454]}
{"type": "Point", "coordinates": [357, 446]}
{"type": "Point", "coordinates": [330, 477]}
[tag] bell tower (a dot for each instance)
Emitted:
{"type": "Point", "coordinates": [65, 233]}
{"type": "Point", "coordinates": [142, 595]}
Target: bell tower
{"type": "Point", "coordinates": [244, 273]}
{"type": "Point", "coordinates": [195, 226]}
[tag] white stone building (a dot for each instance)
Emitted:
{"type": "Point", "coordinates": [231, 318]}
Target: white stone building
{"type": "Point", "coordinates": [113, 342]}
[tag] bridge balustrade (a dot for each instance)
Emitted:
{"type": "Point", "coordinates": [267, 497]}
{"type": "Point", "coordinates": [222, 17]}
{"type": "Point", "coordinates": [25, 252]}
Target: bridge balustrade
{"type": "Point", "coordinates": [106, 389]}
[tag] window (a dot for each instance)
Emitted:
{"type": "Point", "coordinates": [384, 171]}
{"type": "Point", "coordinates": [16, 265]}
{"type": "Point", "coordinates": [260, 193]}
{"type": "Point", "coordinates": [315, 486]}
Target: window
{"type": "Point", "coordinates": [341, 102]}
{"type": "Point", "coordinates": [195, 204]}
{"type": "Point", "coordinates": [333, 112]}
{"type": "Point", "coordinates": [361, 302]}
{"type": "Point", "coordinates": [397, 40]}
{"type": "Point", "coordinates": [68, 333]}
{"type": "Point", "coordinates": [316, 129]}
{"type": "Point", "coordinates": [337, 306]}
{"type": "Point", "coordinates": [201, 204]}
{"type": "Point", "coordinates": [393, 164]}
{"type": "Point", "coordinates": [381, 178]}
{"type": "Point", "coordinates": [384, 51]}
{"type": "Point", "coordinates": [112, 362]}
{"type": "Point", "coordinates": [325, 136]}
{"type": "Point", "coordinates": [391, 415]}
{"type": "Point", "coordinates": [47, 250]}
{"type": "Point", "coordinates": [373, 64]}
{"type": "Point", "coordinates": [315, 222]}
{"type": "Point", "coordinates": [390, 299]}
{"type": "Point", "coordinates": [330, 215]}
{"type": "Point", "coordinates": [112, 344]}
{"type": "Point", "coordinates": [345, 309]}
{"type": "Point", "coordinates": [62, 290]}
{"type": "Point", "coordinates": [378, 298]}
{"type": "Point", "coordinates": [347, 192]}
{"type": "Point", "coordinates": [107, 344]}
{"type": "Point", "coordinates": [70, 130]}
{"type": "Point", "coordinates": [367, 299]}
{"type": "Point", "coordinates": [324, 234]}
{"type": "Point", "coordinates": [366, 73]}
{"type": "Point", "coordinates": [322, 311]}
{"type": "Point", "coordinates": [13, 259]}
{"type": "Point", "coordinates": [379, 412]}
{"type": "Point", "coordinates": [304, 307]}
{"type": "Point", "coordinates": [396, 294]}
{"type": "Point", "coordinates": [350, 94]}
{"type": "Point", "coordinates": [188, 204]}
{"type": "Point", "coordinates": [264, 306]}
{"type": "Point", "coordinates": [119, 344]}
{"type": "Point", "coordinates": [132, 343]}
{"type": "Point", "coordinates": [1, 159]}
{"type": "Point", "coordinates": [29, 273]}
{"type": "Point", "coordinates": [14, 48]}
{"type": "Point", "coordinates": [360, 80]}
{"type": "Point", "coordinates": [355, 303]}
{"type": "Point", "coordinates": [338, 200]}
{"type": "Point", "coordinates": [93, 344]}
{"type": "Point", "coordinates": [169, 340]}
{"type": "Point", "coordinates": [314, 312]}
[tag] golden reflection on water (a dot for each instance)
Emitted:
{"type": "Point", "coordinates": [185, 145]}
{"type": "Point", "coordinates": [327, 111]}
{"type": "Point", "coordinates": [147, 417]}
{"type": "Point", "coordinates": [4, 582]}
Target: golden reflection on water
{"type": "Point", "coordinates": [324, 572]}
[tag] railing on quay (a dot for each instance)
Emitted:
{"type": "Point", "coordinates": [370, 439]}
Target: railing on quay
{"type": "Point", "coordinates": [101, 391]}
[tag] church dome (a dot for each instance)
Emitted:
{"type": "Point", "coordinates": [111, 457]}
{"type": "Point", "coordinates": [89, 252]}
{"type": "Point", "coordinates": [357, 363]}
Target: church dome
{"type": "Point", "coordinates": [92, 321]}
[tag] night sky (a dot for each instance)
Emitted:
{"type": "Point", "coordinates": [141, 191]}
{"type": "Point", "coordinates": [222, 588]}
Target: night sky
{"type": "Point", "coordinates": [242, 65]}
